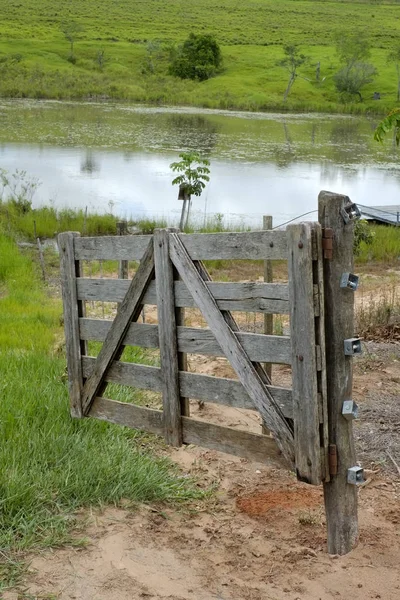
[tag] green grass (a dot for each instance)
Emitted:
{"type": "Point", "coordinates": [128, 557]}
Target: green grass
{"type": "Point", "coordinates": [51, 465]}
{"type": "Point", "coordinates": [34, 52]}
{"type": "Point", "coordinates": [385, 246]}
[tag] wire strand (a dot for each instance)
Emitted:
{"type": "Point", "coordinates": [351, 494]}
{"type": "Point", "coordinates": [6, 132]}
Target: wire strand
{"type": "Point", "coordinates": [295, 219]}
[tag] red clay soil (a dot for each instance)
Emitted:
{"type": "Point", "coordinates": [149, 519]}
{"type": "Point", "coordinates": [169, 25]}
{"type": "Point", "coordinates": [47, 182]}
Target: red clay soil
{"type": "Point", "coordinates": [260, 503]}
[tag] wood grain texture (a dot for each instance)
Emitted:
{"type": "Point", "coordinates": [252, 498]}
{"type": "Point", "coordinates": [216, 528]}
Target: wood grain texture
{"type": "Point", "coordinates": [250, 245]}
{"type": "Point", "coordinates": [129, 310]}
{"type": "Point", "coordinates": [249, 297]}
{"type": "Point", "coordinates": [167, 335]}
{"type": "Point", "coordinates": [68, 274]}
{"type": "Point", "coordinates": [304, 365]}
{"type": "Point", "coordinates": [340, 497]}
{"type": "Point", "coordinates": [232, 348]}
{"type": "Point", "coordinates": [259, 347]}
{"type": "Point", "coordinates": [224, 439]}
{"type": "Point", "coordinates": [218, 390]}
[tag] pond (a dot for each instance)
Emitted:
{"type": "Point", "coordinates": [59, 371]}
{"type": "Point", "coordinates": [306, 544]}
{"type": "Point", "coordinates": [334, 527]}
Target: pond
{"type": "Point", "coordinates": [116, 158]}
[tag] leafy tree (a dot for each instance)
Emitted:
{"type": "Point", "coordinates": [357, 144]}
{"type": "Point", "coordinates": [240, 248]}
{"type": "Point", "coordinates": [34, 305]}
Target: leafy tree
{"type": "Point", "coordinates": [353, 51]}
{"type": "Point", "coordinates": [394, 57]}
{"type": "Point", "coordinates": [71, 31]}
{"type": "Point", "coordinates": [392, 121]}
{"type": "Point", "coordinates": [292, 61]}
{"type": "Point", "coordinates": [194, 174]}
{"type": "Point", "coordinates": [198, 58]}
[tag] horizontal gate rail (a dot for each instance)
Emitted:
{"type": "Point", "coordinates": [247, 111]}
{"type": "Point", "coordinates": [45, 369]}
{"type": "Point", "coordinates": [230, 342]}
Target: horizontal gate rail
{"type": "Point", "coordinates": [224, 439]}
{"type": "Point", "coordinates": [248, 297]}
{"type": "Point", "coordinates": [217, 390]}
{"type": "Point", "coordinates": [258, 347]}
{"type": "Point", "coordinates": [248, 245]}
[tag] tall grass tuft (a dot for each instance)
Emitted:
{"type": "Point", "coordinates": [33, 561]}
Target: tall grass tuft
{"type": "Point", "coordinates": [384, 246]}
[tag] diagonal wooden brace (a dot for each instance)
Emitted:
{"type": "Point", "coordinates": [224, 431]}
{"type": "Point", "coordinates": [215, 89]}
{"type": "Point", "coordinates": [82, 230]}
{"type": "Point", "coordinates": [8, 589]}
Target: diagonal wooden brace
{"type": "Point", "coordinates": [129, 310]}
{"type": "Point", "coordinates": [234, 352]}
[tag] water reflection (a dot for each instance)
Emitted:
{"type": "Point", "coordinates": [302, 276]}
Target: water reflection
{"type": "Point", "coordinates": [91, 154]}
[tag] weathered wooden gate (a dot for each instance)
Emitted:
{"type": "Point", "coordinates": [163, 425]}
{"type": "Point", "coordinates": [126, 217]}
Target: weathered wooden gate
{"type": "Point", "coordinates": [296, 418]}
{"type": "Point", "coordinates": [305, 422]}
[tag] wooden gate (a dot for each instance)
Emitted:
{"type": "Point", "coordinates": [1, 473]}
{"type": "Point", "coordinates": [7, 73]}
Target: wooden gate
{"type": "Point", "coordinates": [172, 275]}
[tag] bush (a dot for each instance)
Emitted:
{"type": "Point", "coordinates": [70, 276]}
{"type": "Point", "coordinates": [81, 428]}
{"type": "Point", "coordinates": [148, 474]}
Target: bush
{"type": "Point", "coordinates": [199, 58]}
{"type": "Point", "coordinates": [362, 233]}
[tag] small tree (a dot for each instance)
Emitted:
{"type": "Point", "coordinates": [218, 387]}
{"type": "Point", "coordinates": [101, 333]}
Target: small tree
{"type": "Point", "coordinates": [71, 31]}
{"type": "Point", "coordinates": [394, 57]}
{"type": "Point", "coordinates": [292, 61]}
{"type": "Point", "coordinates": [392, 121]}
{"type": "Point", "coordinates": [194, 173]}
{"type": "Point", "coordinates": [199, 58]}
{"type": "Point", "coordinates": [353, 51]}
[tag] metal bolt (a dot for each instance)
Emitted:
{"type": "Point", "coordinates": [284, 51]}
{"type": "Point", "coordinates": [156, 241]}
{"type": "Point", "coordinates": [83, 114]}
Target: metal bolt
{"type": "Point", "coordinates": [301, 358]}
{"type": "Point", "coordinates": [300, 244]}
{"type": "Point", "coordinates": [271, 244]}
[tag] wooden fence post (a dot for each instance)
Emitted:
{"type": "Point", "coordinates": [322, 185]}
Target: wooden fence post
{"type": "Point", "coordinates": [340, 497]}
{"type": "Point", "coordinates": [268, 319]}
{"type": "Point", "coordinates": [73, 310]}
{"type": "Point", "coordinates": [122, 229]}
{"type": "Point", "coordinates": [168, 338]}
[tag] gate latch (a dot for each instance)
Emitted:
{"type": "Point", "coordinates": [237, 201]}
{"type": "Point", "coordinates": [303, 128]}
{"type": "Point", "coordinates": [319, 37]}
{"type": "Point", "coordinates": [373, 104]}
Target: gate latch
{"type": "Point", "coordinates": [327, 242]}
{"type": "Point", "coordinates": [352, 346]}
{"type": "Point", "coordinates": [350, 281]}
{"type": "Point", "coordinates": [350, 212]}
{"type": "Point", "coordinates": [355, 476]}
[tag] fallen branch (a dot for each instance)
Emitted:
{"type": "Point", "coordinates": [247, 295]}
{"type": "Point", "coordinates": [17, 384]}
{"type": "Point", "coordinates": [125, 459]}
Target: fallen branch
{"type": "Point", "coordinates": [393, 461]}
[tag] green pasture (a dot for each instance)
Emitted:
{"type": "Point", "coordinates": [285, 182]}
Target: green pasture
{"type": "Point", "coordinates": [34, 51]}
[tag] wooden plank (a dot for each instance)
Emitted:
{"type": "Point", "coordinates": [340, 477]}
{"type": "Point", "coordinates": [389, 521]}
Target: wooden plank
{"type": "Point", "coordinates": [218, 390]}
{"type": "Point", "coordinates": [253, 446]}
{"type": "Point", "coordinates": [232, 348]}
{"type": "Point", "coordinates": [258, 347]}
{"type": "Point", "coordinates": [304, 366]}
{"type": "Point", "coordinates": [250, 297]}
{"type": "Point", "coordinates": [268, 278]}
{"type": "Point", "coordinates": [122, 229]}
{"type": "Point", "coordinates": [340, 497]}
{"type": "Point", "coordinates": [224, 439]}
{"type": "Point", "coordinates": [247, 245]}
{"type": "Point", "coordinates": [319, 312]}
{"type": "Point", "coordinates": [69, 270]}
{"type": "Point", "coordinates": [129, 310]}
{"type": "Point", "coordinates": [167, 339]}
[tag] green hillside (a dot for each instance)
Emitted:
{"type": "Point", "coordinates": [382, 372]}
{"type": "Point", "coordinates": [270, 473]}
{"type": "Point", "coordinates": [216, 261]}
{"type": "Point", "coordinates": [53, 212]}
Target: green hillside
{"type": "Point", "coordinates": [131, 33]}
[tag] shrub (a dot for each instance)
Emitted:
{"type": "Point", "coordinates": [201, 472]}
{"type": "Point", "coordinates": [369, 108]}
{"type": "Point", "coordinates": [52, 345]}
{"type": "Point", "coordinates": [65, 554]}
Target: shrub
{"type": "Point", "coordinates": [199, 58]}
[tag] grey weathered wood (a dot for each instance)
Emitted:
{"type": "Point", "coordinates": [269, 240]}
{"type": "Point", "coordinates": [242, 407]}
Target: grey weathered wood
{"type": "Point", "coordinates": [122, 229]}
{"type": "Point", "coordinates": [319, 313]}
{"type": "Point", "coordinates": [167, 339]}
{"type": "Point", "coordinates": [218, 390]}
{"type": "Point", "coordinates": [340, 497]}
{"type": "Point", "coordinates": [250, 245]}
{"type": "Point", "coordinates": [69, 269]}
{"type": "Point", "coordinates": [304, 364]}
{"type": "Point", "coordinates": [252, 446]}
{"type": "Point", "coordinates": [128, 311]}
{"type": "Point", "coordinates": [250, 297]}
{"type": "Point", "coordinates": [232, 348]}
{"type": "Point", "coordinates": [258, 347]}
{"type": "Point", "coordinates": [268, 278]}
{"type": "Point", "coordinates": [224, 439]}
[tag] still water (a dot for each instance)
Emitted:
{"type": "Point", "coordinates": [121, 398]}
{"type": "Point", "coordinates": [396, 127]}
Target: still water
{"type": "Point", "coordinates": [116, 157]}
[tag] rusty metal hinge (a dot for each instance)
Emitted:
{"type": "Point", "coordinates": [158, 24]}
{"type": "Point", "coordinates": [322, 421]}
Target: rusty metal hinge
{"type": "Point", "coordinates": [333, 459]}
{"type": "Point", "coordinates": [327, 242]}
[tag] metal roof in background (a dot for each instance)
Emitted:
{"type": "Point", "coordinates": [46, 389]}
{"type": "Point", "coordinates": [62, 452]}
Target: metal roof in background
{"type": "Point", "coordinates": [383, 214]}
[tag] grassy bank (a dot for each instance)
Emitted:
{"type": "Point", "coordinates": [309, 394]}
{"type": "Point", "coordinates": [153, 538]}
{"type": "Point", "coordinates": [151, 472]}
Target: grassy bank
{"type": "Point", "coordinates": [51, 465]}
{"type": "Point", "coordinates": [34, 52]}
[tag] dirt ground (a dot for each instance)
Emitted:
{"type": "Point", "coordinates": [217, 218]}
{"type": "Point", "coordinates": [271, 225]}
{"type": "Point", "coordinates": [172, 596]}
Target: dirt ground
{"type": "Point", "coordinates": [261, 535]}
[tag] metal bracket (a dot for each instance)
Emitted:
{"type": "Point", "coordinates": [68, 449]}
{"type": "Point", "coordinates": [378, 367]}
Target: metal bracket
{"type": "Point", "coordinates": [350, 281]}
{"type": "Point", "coordinates": [355, 476]}
{"type": "Point", "coordinates": [332, 459]}
{"type": "Point", "coordinates": [352, 346]}
{"type": "Point", "coordinates": [349, 410]}
{"type": "Point", "coordinates": [350, 212]}
{"type": "Point", "coordinates": [327, 242]}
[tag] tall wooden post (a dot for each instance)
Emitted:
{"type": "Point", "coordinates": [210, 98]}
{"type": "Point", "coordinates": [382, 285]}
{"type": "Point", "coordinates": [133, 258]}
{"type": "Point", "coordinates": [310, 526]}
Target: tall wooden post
{"type": "Point", "coordinates": [340, 496]}
{"type": "Point", "coordinates": [268, 319]}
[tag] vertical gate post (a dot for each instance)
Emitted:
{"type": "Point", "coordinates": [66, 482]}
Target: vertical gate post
{"type": "Point", "coordinates": [73, 310]}
{"type": "Point", "coordinates": [167, 338]}
{"type": "Point", "coordinates": [122, 229]}
{"type": "Point", "coordinates": [340, 497]}
{"type": "Point", "coordinates": [268, 278]}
